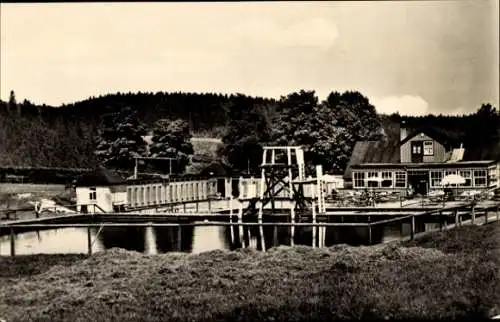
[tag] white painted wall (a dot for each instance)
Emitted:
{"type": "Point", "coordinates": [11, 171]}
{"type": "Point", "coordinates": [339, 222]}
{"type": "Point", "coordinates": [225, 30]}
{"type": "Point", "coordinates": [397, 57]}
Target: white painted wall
{"type": "Point", "coordinates": [105, 198]}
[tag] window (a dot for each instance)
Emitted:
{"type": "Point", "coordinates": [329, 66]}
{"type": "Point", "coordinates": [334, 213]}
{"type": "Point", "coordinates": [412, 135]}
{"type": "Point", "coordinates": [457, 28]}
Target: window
{"type": "Point", "coordinates": [467, 175]}
{"type": "Point", "coordinates": [479, 178]}
{"type": "Point", "coordinates": [387, 179]}
{"type": "Point", "coordinates": [400, 179]}
{"type": "Point", "coordinates": [359, 179]}
{"type": "Point", "coordinates": [372, 183]}
{"type": "Point", "coordinates": [93, 194]}
{"type": "Point", "coordinates": [428, 148]}
{"type": "Point", "coordinates": [416, 149]}
{"type": "Point", "coordinates": [448, 173]}
{"type": "Point", "coordinates": [436, 177]}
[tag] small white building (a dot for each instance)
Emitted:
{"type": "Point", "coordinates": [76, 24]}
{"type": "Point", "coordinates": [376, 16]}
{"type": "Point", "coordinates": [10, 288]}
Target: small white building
{"type": "Point", "coordinates": [103, 188]}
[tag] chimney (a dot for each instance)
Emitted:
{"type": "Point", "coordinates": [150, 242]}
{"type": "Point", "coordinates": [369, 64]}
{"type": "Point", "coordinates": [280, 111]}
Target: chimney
{"type": "Point", "coordinates": [403, 130]}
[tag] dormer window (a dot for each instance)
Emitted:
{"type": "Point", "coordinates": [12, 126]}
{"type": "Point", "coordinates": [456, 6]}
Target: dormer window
{"type": "Point", "coordinates": [428, 148]}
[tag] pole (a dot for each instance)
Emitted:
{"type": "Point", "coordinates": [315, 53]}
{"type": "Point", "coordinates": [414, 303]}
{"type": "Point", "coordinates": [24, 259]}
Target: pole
{"type": "Point", "coordinates": [179, 238]}
{"type": "Point", "coordinates": [240, 227]}
{"type": "Point", "coordinates": [292, 221]}
{"type": "Point", "coordinates": [412, 227]}
{"type": "Point", "coordinates": [12, 243]}
{"type": "Point", "coordinates": [169, 166]}
{"type": "Point", "coordinates": [89, 241]}
{"type": "Point", "coordinates": [230, 219]}
{"type": "Point", "coordinates": [135, 168]}
{"type": "Point", "coordinates": [314, 221]}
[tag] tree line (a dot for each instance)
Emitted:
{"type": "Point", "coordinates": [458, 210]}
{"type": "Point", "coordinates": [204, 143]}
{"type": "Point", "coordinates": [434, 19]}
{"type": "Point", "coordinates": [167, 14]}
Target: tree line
{"type": "Point", "coordinates": [110, 129]}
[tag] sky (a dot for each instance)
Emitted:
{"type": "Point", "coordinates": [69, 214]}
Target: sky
{"type": "Point", "coordinates": [411, 57]}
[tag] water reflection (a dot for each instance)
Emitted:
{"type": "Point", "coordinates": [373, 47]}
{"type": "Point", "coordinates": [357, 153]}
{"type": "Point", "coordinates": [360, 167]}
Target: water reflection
{"type": "Point", "coordinates": [153, 240]}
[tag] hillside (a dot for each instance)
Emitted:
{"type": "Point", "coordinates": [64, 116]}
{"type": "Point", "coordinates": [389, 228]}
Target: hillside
{"type": "Point", "coordinates": [64, 136]}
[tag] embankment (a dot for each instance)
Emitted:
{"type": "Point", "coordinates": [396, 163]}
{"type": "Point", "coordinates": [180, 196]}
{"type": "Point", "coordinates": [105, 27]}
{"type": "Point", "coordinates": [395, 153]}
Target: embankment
{"type": "Point", "coordinates": [444, 275]}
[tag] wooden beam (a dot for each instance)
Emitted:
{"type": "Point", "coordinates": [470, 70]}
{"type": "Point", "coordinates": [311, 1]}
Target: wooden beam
{"type": "Point", "coordinates": [89, 240]}
{"type": "Point", "coordinates": [412, 227]}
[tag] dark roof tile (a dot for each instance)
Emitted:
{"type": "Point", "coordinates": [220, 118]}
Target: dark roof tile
{"type": "Point", "coordinates": [385, 151]}
{"type": "Point", "coordinates": [100, 177]}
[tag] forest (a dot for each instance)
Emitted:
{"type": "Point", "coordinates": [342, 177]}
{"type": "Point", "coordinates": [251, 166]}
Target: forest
{"type": "Point", "coordinates": [109, 130]}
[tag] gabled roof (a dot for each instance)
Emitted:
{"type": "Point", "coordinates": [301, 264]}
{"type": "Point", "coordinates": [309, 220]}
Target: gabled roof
{"type": "Point", "coordinates": [100, 177]}
{"type": "Point", "coordinates": [385, 151]}
{"type": "Point", "coordinates": [443, 136]}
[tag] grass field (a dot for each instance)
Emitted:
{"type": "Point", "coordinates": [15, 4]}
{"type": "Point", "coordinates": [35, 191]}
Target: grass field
{"type": "Point", "coordinates": [9, 194]}
{"type": "Point", "coordinates": [446, 275]}
{"type": "Point", "coordinates": [30, 188]}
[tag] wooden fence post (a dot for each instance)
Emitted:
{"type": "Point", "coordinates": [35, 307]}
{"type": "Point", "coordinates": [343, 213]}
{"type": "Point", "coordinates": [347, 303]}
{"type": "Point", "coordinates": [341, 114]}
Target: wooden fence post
{"type": "Point", "coordinates": [179, 238]}
{"type": "Point", "coordinates": [231, 221]}
{"type": "Point", "coordinates": [369, 234]}
{"type": "Point", "coordinates": [457, 221]}
{"type": "Point", "coordinates": [240, 226]}
{"type": "Point", "coordinates": [473, 214]}
{"type": "Point", "coordinates": [12, 242]}
{"type": "Point", "coordinates": [486, 216]}
{"type": "Point", "coordinates": [440, 218]}
{"type": "Point", "coordinates": [314, 222]}
{"type": "Point", "coordinates": [412, 227]}
{"type": "Point", "coordinates": [89, 240]}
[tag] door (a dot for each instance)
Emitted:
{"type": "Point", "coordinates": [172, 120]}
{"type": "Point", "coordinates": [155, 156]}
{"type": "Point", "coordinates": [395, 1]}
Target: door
{"type": "Point", "coordinates": [419, 181]}
{"type": "Point", "coordinates": [221, 186]}
{"type": "Point", "coordinates": [417, 152]}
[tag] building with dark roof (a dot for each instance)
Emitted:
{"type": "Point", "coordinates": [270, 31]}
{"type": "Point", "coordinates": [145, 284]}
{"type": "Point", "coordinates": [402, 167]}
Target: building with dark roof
{"type": "Point", "coordinates": [101, 189]}
{"type": "Point", "coordinates": [420, 159]}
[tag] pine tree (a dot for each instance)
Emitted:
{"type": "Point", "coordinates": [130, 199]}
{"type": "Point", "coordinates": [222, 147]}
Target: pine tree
{"type": "Point", "coordinates": [171, 139]}
{"type": "Point", "coordinates": [120, 140]}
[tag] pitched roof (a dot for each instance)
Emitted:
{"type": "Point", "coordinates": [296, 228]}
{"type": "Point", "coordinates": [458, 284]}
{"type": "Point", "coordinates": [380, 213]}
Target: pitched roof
{"type": "Point", "coordinates": [385, 151]}
{"type": "Point", "coordinates": [443, 136]}
{"type": "Point", "coordinates": [100, 177]}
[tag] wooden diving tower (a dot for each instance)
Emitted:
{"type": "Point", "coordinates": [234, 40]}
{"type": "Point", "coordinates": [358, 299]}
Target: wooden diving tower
{"type": "Point", "coordinates": [283, 177]}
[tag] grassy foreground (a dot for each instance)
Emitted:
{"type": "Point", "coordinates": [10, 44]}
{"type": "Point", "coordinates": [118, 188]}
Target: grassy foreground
{"type": "Point", "coordinates": [454, 274]}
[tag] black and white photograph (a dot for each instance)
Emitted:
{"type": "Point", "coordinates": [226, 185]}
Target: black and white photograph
{"type": "Point", "coordinates": [249, 161]}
